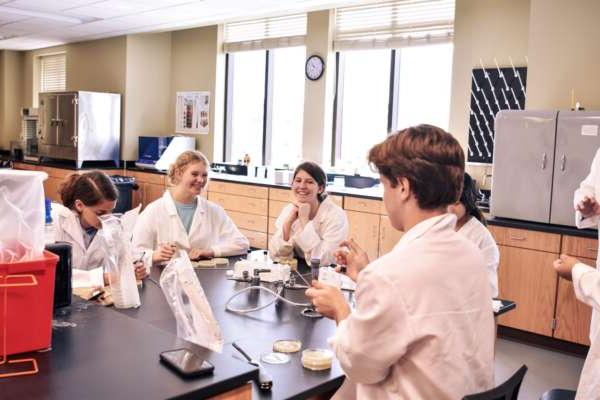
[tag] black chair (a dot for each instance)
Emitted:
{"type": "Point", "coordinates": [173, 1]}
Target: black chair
{"type": "Point", "coordinates": [509, 390]}
{"type": "Point", "coordinates": [558, 394]}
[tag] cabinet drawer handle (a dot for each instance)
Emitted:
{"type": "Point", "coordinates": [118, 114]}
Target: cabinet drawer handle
{"type": "Point", "coordinates": [517, 238]}
{"type": "Point", "coordinates": [593, 249]}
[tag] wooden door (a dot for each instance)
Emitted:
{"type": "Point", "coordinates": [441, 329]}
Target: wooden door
{"type": "Point", "coordinates": [364, 229]}
{"type": "Point", "coordinates": [572, 316]}
{"type": "Point", "coordinates": [527, 277]}
{"type": "Point", "coordinates": [388, 235]}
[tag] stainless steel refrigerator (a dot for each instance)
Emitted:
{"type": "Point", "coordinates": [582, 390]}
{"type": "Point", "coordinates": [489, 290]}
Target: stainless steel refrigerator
{"type": "Point", "coordinates": [540, 157]}
{"type": "Point", "coordinates": [80, 126]}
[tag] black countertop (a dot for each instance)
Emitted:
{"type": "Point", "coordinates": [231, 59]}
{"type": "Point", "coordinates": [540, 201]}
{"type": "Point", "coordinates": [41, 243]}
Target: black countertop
{"type": "Point", "coordinates": [98, 353]}
{"type": "Point", "coordinates": [542, 227]}
{"type": "Point", "coordinates": [255, 332]}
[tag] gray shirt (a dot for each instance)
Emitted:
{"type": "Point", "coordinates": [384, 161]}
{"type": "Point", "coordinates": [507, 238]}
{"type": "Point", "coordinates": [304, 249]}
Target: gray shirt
{"type": "Point", "coordinates": [186, 213]}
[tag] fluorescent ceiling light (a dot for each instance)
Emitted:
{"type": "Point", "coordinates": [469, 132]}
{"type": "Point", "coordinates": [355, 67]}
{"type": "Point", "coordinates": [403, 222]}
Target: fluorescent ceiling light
{"type": "Point", "coordinates": [39, 14]}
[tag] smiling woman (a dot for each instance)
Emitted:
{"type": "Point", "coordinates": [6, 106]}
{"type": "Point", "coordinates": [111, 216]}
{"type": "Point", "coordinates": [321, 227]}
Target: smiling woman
{"type": "Point", "coordinates": [313, 226]}
{"type": "Point", "coordinates": [182, 219]}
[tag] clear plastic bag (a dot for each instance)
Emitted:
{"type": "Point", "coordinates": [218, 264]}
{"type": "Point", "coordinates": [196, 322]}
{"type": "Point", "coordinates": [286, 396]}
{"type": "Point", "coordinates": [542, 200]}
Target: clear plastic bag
{"type": "Point", "coordinates": [119, 262]}
{"type": "Point", "coordinates": [195, 320]}
{"type": "Point", "coordinates": [21, 214]}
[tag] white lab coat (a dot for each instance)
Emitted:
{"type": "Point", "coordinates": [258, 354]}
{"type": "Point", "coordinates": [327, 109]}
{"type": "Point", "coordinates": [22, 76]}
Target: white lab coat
{"type": "Point", "coordinates": [422, 327]}
{"type": "Point", "coordinates": [477, 233]}
{"type": "Point", "coordinates": [319, 238]}
{"type": "Point", "coordinates": [67, 228]}
{"type": "Point", "coordinates": [211, 228]}
{"type": "Point", "coordinates": [586, 282]}
{"type": "Point", "coordinates": [590, 187]}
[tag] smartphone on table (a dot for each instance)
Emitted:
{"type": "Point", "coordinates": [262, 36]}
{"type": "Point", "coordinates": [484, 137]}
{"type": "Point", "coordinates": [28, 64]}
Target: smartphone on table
{"type": "Point", "coordinates": [186, 363]}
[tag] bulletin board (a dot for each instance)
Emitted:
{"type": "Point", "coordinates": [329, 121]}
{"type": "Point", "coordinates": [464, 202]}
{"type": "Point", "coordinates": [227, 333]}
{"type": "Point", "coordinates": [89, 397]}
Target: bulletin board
{"type": "Point", "coordinates": [492, 89]}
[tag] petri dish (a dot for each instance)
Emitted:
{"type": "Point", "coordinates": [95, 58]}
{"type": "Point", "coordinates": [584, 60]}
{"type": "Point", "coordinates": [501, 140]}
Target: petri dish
{"type": "Point", "coordinates": [287, 346]}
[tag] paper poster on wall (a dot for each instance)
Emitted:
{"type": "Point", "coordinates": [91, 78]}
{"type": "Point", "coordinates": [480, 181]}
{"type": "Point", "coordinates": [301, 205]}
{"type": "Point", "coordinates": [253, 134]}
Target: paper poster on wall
{"type": "Point", "coordinates": [192, 112]}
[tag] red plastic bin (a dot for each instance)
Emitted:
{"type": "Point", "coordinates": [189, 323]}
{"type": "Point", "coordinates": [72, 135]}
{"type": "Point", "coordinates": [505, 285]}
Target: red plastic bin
{"type": "Point", "coordinates": [29, 311]}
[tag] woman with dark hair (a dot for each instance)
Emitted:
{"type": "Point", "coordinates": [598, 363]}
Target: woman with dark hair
{"type": "Point", "coordinates": [84, 198]}
{"type": "Point", "coordinates": [313, 225]}
{"type": "Point", "coordinates": [471, 224]}
{"type": "Point", "coordinates": [422, 327]}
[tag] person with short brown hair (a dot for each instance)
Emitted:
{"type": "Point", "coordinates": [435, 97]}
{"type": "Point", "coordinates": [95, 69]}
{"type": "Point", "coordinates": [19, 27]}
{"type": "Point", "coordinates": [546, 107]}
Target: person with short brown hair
{"type": "Point", "coordinates": [423, 326]}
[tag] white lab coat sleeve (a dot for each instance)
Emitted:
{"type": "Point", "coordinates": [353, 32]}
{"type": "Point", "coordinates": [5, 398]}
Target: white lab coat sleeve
{"type": "Point", "coordinates": [334, 229]}
{"type": "Point", "coordinates": [586, 282]}
{"type": "Point", "coordinates": [376, 334]}
{"type": "Point", "coordinates": [277, 246]}
{"type": "Point", "coordinates": [491, 256]}
{"type": "Point", "coordinates": [145, 234]}
{"type": "Point", "coordinates": [230, 240]}
{"type": "Point", "coordinates": [587, 187]}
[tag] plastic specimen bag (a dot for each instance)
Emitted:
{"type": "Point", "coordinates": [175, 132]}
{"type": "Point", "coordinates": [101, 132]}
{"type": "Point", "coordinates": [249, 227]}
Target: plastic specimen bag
{"type": "Point", "coordinates": [21, 215]}
{"type": "Point", "coordinates": [119, 262]}
{"type": "Point", "coordinates": [195, 320]}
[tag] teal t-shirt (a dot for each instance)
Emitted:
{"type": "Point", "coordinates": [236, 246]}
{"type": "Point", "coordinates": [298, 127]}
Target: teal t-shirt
{"type": "Point", "coordinates": [186, 213]}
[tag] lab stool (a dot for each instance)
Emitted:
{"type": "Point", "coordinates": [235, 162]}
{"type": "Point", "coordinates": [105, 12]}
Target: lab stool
{"type": "Point", "coordinates": [509, 390]}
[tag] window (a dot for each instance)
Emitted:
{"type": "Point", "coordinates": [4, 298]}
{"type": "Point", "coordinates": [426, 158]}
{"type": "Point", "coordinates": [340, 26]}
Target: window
{"type": "Point", "coordinates": [287, 106]}
{"type": "Point", "coordinates": [264, 99]}
{"type": "Point", "coordinates": [364, 103]}
{"type": "Point", "coordinates": [246, 111]}
{"type": "Point", "coordinates": [424, 86]}
{"type": "Point", "coordinates": [380, 91]}
{"type": "Point", "coordinates": [394, 69]}
{"type": "Point", "coordinates": [52, 70]}
{"type": "Point", "coordinates": [265, 103]}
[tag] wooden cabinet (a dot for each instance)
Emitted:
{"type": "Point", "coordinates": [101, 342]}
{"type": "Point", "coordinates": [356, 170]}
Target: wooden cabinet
{"type": "Point", "coordinates": [363, 205]}
{"type": "Point", "coordinates": [526, 277]}
{"type": "Point", "coordinates": [573, 316]}
{"type": "Point", "coordinates": [388, 235]}
{"type": "Point", "coordinates": [364, 229]}
{"type": "Point", "coordinates": [151, 187]}
{"type": "Point", "coordinates": [542, 241]}
{"type": "Point", "coordinates": [247, 205]}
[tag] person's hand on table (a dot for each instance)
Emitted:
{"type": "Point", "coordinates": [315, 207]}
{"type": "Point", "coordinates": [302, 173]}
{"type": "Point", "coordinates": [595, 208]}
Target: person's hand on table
{"type": "Point", "coordinates": [200, 254]}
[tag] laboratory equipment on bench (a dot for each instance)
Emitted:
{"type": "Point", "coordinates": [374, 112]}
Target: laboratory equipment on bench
{"type": "Point", "coordinates": [317, 359]}
{"type": "Point", "coordinates": [159, 152]}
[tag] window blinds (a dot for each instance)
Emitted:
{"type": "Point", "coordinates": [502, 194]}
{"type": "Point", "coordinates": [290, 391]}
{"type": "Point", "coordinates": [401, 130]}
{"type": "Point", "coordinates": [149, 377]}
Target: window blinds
{"type": "Point", "coordinates": [394, 24]}
{"type": "Point", "coordinates": [53, 73]}
{"type": "Point", "coordinates": [265, 33]}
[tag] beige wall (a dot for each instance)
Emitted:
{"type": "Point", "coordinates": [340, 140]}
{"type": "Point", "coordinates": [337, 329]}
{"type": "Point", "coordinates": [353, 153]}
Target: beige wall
{"type": "Point", "coordinates": [318, 95]}
{"type": "Point", "coordinates": [97, 65]}
{"type": "Point", "coordinates": [484, 29]}
{"type": "Point", "coordinates": [147, 90]}
{"type": "Point", "coordinates": [11, 94]}
{"type": "Point", "coordinates": [564, 54]}
{"type": "Point", "coordinates": [194, 61]}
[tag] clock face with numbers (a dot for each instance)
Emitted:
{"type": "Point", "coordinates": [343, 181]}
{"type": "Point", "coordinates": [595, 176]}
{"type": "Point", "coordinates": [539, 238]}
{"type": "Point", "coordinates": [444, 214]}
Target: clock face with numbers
{"type": "Point", "coordinates": [314, 67]}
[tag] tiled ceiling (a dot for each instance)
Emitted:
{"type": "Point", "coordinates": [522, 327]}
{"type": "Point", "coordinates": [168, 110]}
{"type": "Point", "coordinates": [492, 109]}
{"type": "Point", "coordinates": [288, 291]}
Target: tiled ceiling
{"type": "Point", "coordinates": [33, 24]}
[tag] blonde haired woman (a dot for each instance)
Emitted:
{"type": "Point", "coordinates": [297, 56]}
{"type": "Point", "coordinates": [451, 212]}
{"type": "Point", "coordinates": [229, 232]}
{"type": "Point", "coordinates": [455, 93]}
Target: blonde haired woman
{"type": "Point", "coordinates": [182, 219]}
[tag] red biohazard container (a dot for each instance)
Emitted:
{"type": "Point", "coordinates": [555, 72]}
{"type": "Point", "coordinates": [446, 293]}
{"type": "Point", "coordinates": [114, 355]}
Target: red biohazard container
{"type": "Point", "coordinates": [27, 290]}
